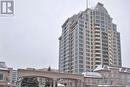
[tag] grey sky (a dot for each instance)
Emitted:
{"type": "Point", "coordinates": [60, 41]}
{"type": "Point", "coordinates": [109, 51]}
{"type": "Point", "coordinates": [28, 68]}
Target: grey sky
{"type": "Point", "coordinates": [30, 38]}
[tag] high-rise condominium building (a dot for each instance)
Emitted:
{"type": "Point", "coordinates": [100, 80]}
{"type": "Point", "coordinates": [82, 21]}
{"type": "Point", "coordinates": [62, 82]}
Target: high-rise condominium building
{"type": "Point", "coordinates": [89, 39]}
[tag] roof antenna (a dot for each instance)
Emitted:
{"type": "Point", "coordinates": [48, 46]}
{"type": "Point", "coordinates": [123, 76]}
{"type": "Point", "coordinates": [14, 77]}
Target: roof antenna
{"type": "Point", "coordinates": [87, 4]}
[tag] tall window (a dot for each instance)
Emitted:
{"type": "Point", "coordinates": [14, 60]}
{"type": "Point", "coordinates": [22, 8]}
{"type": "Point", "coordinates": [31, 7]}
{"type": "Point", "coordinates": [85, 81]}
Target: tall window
{"type": "Point", "coordinates": [1, 76]}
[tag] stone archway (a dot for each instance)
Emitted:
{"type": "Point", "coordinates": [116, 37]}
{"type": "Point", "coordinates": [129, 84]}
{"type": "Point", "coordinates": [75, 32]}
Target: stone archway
{"type": "Point", "coordinates": [52, 76]}
{"type": "Point", "coordinates": [43, 81]}
{"type": "Point", "coordinates": [29, 82]}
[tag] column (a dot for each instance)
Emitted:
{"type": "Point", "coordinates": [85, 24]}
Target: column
{"type": "Point", "coordinates": [54, 83]}
{"type": "Point", "coordinates": [76, 82]}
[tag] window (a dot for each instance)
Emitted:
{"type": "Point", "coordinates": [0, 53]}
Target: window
{"type": "Point", "coordinates": [1, 76]}
{"type": "Point", "coordinates": [97, 21]}
{"type": "Point", "coordinates": [103, 29]}
{"type": "Point", "coordinates": [102, 18]}
{"type": "Point", "coordinates": [97, 17]}
{"type": "Point", "coordinates": [102, 22]}
{"type": "Point", "coordinates": [97, 13]}
{"type": "Point", "coordinates": [81, 41]}
{"type": "Point", "coordinates": [80, 45]}
{"type": "Point", "coordinates": [80, 57]}
{"type": "Point", "coordinates": [102, 25]}
{"type": "Point", "coordinates": [81, 37]}
{"type": "Point", "coordinates": [80, 53]}
{"type": "Point", "coordinates": [81, 33]}
{"type": "Point", "coordinates": [80, 49]}
{"type": "Point", "coordinates": [102, 14]}
{"type": "Point", "coordinates": [98, 63]}
{"type": "Point", "coordinates": [80, 61]}
{"type": "Point", "coordinates": [81, 29]}
{"type": "Point", "coordinates": [97, 55]}
{"type": "Point", "coordinates": [81, 70]}
{"type": "Point", "coordinates": [81, 25]}
{"type": "Point", "coordinates": [81, 21]}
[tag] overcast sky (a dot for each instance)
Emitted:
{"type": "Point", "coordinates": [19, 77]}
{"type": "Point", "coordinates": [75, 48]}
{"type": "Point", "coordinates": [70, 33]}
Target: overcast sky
{"type": "Point", "coordinates": [30, 37]}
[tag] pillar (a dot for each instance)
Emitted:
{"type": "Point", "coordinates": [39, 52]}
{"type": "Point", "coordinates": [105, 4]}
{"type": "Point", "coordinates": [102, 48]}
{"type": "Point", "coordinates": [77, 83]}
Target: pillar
{"type": "Point", "coordinates": [54, 83]}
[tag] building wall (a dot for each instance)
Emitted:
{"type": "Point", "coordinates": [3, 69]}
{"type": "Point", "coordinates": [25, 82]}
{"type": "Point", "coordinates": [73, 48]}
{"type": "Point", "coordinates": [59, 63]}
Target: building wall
{"type": "Point", "coordinates": [89, 39]}
{"type": "Point", "coordinates": [115, 76]}
{"type": "Point", "coordinates": [12, 76]}
{"type": "Point", "coordinates": [4, 78]}
{"type": "Point", "coordinates": [103, 77]}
